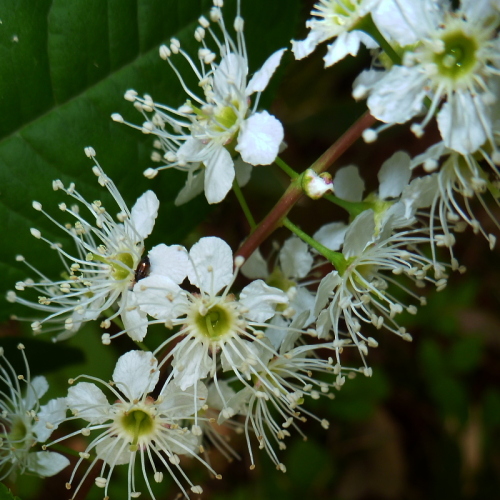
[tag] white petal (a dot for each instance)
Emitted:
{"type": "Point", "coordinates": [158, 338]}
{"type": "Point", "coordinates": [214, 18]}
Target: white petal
{"type": "Point", "coordinates": [433, 152]}
{"type": "Point", "coordinates": [239, 357]}
{"type": "Point", "coordinates": [193, 187]}
{"type": "Point", "coordinates": [348, 184]}
{"type": "Point", "coordinates": [366, 80]}
{"type": "Point", "coordinates": [238, 403]}
{"type": "Point", "coordinates": [260, 138]}
{"type": "Point", "coordinates": [243, 171]}
{"type": "Point", "coordinates": [398, 96]}
{"type": "Point", "coordinates": [359, 235]}
{"type": "Point", "coordinates": [326, 286]}
{"type": "Point", "coordinates": [394, 175]}
{"type": "Point", "coordinates": [219, 175]}
{"type": "Point", "coordinates": [331, 235]}
{"type": "Point", "coordinates": [38, 387]}
{"type": "Point", "coordinates": [324, 324]}
{"type": "Point", "coordinates": [190, 363]}
{"type": "Point", "coordinates": [302, 48]}
{"type": "Point", "coordinates": [346, 43]}
{"type": "Point", "coordinates": [407, 22]}
{"type": "Point", "coordinates": [277, 335]}
{"type": "Point", "coordinates": [193, 150]}
{"type": "Point", "coordinates": [136, 373]}
{"type": "Point", "coordinates": [182, 404]}
{"type": "Point", "coordinates": [113, 451]}
{"type": "Point", "coordinates": [303, 302]}
{"type": "Point", "coordinates": [255, 266]}
{"type": "Point", "coordinates": [261, 78]}
{"type": "Point", "coordinates": [462, 123]}
{"type": "Point", "coordinates": [421, 191]}
{"type": "Point", "coordinates": [477, 11]}
{"type": "Point", "coordinates": [89, 401]}
{"type": "Point", "coordinates": [295, 258]}
{"type": "Point", "coordinates": [143, 215]}
{"type": "Point", "coordinates": [170, 261]}
{"type": "Point", "coordinates": [47, 463]}
{"type": "Point", "coordinates": [134, 320]}
{"type": "Point", "coordinates": [232, 72]}
{"type": "Point", "coordinates": [181, 442]}
{"type": "Point", "coordinates": [160, 297]}
{"type": "Point", "coordinates": [212, 264]}
{"type": "Point", "coordinates": [261, 299]}
{"type": "Point", "coordinates": [52, 413]}
{"type": "Point", "coordinates": [214, 399]}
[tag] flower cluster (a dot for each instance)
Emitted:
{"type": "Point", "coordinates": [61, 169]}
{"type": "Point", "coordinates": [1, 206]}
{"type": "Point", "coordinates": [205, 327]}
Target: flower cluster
{"type": "Point", "coordinates": [242, 342]}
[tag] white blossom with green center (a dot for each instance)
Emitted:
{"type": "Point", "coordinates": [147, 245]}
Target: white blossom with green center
{"type": "Point", "coordinates": [359, 292]}
{"type": "Point", "coordinates": [451, 65]}
{"type": "Point", "coordinates": [216, 328]}
{"type": "Point", "coordinates": [23, 423]}
{"type": "Point", "coordinates": [137, 428]}
{"type": "Point", "coordinates": [97, 277]}
{"type": "Point", "coordinates": [336, 19]}
{"type": "Point", "coordinates": [207, 135]}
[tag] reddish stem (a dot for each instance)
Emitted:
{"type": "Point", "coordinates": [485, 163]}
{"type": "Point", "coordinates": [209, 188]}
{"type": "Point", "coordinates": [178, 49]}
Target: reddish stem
{"type": "Point", "coordinates": [292, 195]}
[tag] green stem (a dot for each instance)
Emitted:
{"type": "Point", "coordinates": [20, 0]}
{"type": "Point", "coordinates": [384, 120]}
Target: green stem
{"type": "Point", "coordinates": [336, 258]}
{"type": "Point", "coordinates": [244, 205]}
{"type": "Point", "coordinates": [142, 346]}
{"type": "Point", "coordinates": [367, 25]}
{"type": "Point", "coordinates": [354, 208]}
{"type": "Point", "coordinates": [286, 168]}
{"type": "Point", "coordinates": [293, 194]}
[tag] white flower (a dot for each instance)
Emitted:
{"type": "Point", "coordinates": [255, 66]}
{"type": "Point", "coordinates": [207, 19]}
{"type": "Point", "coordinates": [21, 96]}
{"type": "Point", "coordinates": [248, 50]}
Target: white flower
{"type": "Point", "coordinates": [452, 66]}
{"type": "Point", "coordinates": [357, 291]}
{"type": "Point", "coordinates": [215, 326]}
{"type": "Point", "coordinates": [272, 402]}
{"type": "Point", "coordinates": [101, 271]}
{"type": "Point", "coordinates": [136, 427]}
{"type": "Point", "coordinates": [291, 273]}
{"type": "Point", "coordinates": [336, 19]}
{"type": "Point", "coordinates": [206, 134]}
{"type": "Point", "coordinates": [458, 179]}
{"type": "Point", "coordinates": [23, 423]}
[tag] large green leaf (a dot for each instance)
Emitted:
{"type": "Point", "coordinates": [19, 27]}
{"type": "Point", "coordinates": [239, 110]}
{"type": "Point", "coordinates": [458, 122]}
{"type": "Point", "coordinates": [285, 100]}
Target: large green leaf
{"type": "Point", "coordinates": [6, 494]}
{"type": "Point", "coordinates": [65, 66]}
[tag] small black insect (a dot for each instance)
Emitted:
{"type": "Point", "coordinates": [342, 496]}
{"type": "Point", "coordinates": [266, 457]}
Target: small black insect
{"type": "Point", "coordinates": [143, 269]}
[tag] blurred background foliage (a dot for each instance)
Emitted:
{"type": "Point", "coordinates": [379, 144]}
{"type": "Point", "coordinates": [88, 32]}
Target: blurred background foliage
{"type": "Point", "coordinates": [425, 426]}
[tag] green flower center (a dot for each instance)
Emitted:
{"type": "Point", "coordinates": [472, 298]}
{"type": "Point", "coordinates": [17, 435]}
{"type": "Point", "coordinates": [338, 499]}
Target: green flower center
{"type": "Point", "coordinates": [227, 117]}
{"type": "Point", "coordinates": [343, 9]}
{"type": "Point", "coordinates": [459, 55]}
{"type": "Point", "coordinates": [137, 423]}
{"type": "Point", "coordinates": [123, 266]}
{"type": "Point", "coordinates": [18, 434]}
{"type": "Point", "coordinates": [215, 324]}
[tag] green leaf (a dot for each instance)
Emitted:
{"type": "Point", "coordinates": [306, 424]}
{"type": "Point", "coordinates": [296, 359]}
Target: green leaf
{"type": "Point", "coordinates": [65, 67]}
{"type": "Point", "coordinates": [43, 356]}
{"type": "Point", "coordinates": [6, 494]}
